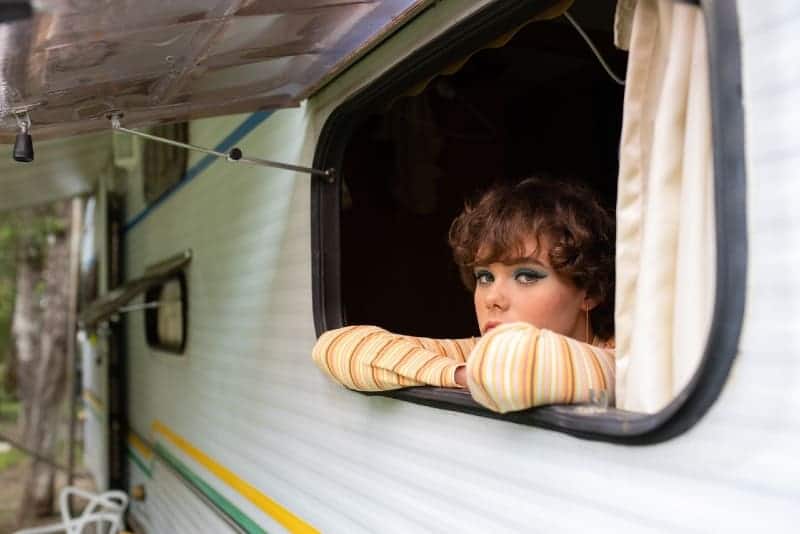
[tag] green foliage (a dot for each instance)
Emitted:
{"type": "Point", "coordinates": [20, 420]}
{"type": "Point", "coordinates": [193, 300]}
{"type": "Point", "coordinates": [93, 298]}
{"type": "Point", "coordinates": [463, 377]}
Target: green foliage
{"type": "Point", "coordinates": [11, 458]}
{"type": "Point", "coordinates": [7, 281]}
{"type": "Point", "coordinates": [23, 232]}
{"type": "Point", "coordinates": [9, 413]}
{"type": "Point", "coordinates": [6, 309]}
{"type": "Point", "coordinates": [9, 409]}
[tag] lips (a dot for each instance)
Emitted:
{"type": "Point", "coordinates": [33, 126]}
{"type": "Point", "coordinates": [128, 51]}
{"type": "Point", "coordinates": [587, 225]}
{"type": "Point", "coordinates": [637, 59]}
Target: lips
{"type": "Point", "coordinates": [489, 325]}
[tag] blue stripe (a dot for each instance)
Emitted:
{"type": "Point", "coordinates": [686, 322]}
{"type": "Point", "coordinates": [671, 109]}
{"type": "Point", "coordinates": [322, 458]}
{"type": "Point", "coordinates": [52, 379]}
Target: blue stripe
{"type": "Point", "coordinates": [247, 126]}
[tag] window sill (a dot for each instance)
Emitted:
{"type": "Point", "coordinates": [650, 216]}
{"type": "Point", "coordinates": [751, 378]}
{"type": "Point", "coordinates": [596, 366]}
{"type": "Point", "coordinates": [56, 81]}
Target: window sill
{"type": "Point", "coordinates": [584, 420]}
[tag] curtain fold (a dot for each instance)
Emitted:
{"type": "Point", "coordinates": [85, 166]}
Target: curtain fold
{"type": "Point", "coordinates": [665, 219]}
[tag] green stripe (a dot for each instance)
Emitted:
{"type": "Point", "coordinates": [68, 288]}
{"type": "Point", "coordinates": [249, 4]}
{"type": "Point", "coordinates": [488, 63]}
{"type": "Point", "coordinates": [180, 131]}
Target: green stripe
{"type": "Point", "coordinates": [221, 502]}
{"type": "Point", "coordinates": [138, 461]}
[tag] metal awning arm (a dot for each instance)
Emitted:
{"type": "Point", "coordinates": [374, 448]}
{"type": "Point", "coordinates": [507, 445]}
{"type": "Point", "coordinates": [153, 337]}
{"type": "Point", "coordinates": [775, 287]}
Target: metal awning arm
{"type": "Point", "coordinates": [233, 155]}
{"type": "Point", "coordinates": [146, 305]}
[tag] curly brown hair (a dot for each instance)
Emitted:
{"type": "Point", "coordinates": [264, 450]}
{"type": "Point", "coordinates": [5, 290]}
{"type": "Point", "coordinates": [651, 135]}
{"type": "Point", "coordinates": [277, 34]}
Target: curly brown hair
{"type": "Point", "coordinates": [580, 231]}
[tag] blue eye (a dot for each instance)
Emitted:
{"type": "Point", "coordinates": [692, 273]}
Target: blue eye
{"type": "Point", "coordinates": [483, 277]}
{"type": "Point", "coordinates": [528, 276]}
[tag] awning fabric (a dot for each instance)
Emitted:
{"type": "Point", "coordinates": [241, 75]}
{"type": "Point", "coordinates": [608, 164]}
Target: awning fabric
{"type": "Point", "coordinates": [74, 62]}
{"type": "Point", "coordinates": [110, 303]}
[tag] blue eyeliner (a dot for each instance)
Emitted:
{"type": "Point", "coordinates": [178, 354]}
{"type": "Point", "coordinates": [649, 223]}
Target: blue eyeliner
{"type": "Point", "coordinates": [480, 274]}
{"type": "Point", "coordinates": [532, 274]}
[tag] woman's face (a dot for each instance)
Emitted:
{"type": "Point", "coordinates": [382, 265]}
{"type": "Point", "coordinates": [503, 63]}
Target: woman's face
{"type": "Point", "coordinates": [530, 291]}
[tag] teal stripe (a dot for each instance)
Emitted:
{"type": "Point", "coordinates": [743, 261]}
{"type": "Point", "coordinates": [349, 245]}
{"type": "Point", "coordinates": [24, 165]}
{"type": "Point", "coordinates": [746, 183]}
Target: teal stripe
{"type": "Point", "coordinates": [221, 502]}
{"type": "Point", "coordinates": [138, 461]}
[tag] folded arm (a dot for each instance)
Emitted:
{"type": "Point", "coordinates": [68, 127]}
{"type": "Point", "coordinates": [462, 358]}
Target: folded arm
{"type": "Point", "coordinates": [518, 366]}
{"type": "Point", "coordinates": [369, 358]}
{"type": "Point", "coordinates": [513, 367]}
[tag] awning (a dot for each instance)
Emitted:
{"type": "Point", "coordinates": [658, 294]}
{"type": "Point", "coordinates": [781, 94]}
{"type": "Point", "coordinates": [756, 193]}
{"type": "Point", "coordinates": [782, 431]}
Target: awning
{"type": "Point", "coordinates": [111, 303]}
{"type": "Point", "coordinates": [74, 62]}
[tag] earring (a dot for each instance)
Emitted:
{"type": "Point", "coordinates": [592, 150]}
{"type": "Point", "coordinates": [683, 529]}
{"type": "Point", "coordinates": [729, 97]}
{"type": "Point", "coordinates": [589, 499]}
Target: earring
{"type": "Point", "coordinates": [587, 326]}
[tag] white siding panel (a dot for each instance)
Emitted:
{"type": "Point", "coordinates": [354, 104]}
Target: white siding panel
{"type": "Point", "coordinates": [140, 509]}
{"type": "Point", "coordinates": [175, 508]}
{"type": "Point", "coordinates": [247, 394]}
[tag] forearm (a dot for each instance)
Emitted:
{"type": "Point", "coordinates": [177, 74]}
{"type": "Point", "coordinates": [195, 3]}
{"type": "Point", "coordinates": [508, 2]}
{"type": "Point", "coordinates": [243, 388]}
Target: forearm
{"type": "Point", "coordinates": [518, 366]}
{"type": "Point", "coordinates": [368, 358]}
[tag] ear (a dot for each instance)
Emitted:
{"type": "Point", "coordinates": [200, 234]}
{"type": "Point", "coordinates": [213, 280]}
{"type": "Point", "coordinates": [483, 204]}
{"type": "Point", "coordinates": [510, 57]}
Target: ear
{"type": "Point", "coordinates": [589, 303]}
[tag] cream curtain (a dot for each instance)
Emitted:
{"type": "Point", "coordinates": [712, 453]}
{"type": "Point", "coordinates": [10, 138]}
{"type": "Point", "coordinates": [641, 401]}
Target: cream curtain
{"type": "Point", "coordinates": [665, 242]}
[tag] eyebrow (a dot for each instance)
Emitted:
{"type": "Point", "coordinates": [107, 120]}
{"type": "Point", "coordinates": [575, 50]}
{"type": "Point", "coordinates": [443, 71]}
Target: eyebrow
{"type": "Point", "coordinates": [513, 261]}
{"type": "Point", "coordinates": [524, 259]}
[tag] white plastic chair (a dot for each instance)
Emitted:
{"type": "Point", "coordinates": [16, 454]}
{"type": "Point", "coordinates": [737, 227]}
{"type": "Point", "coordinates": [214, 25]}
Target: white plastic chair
{"type": "Point", "coordinates": [104, 511]}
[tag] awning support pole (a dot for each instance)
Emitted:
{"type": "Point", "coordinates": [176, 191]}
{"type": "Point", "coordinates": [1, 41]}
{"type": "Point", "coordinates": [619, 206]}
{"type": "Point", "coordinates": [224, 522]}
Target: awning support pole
{"type": "Point", "coordinates": [233, 155]}
{"type": "Point", "coordinates": [146, 305]}
{"type": "Point", "coordinates": [138, 307]}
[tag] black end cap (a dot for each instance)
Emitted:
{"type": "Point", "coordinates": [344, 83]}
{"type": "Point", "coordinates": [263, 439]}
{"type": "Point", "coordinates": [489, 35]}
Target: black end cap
{"type": "Point", "coordinates": [23, 148]}
{"type": "Point", "coordinates": [12, 10]}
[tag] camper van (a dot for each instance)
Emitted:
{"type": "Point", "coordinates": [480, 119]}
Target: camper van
{"type": "Point", "coordinates": [258, 172]}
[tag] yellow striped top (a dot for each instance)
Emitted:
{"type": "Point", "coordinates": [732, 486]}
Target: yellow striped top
{"type": "Point", "coordinates": [513, 367]}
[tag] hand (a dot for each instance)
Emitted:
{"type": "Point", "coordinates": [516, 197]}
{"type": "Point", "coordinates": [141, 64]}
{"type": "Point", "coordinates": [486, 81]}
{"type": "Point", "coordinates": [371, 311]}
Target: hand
{"type": "Point", "coordinates": [461, 376]}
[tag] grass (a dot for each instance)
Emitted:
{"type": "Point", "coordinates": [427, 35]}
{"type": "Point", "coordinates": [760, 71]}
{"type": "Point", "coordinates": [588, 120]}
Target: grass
{"type": "Point", "coordinates": [11, 458]}
{"type": "Point", "coordinates": [9, 410]}
{"type": "Point", "coordinates": [9, 407]}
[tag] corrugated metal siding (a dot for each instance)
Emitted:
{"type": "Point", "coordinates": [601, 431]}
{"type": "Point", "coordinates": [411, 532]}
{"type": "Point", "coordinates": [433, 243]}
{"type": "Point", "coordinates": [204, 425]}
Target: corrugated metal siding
{"type": "Point", "coordinates": [770, 368]}
{"type": "Point", "coordinates": [247, 394]}
{"type": "Point", "coordinates": [172, 507]}
{"type": "Point", "coordinates": [243, 291]}
{"type": "Point", "coordinates": [141, 510]}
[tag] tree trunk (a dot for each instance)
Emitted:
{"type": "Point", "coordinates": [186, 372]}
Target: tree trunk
{"type": "Point", "coordinates": [40, 334]}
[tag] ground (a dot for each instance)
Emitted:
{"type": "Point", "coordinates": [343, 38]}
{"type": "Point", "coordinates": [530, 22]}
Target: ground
{"type": "Point", "coordinates": [13, 466]}
{"type": "Point", "coordinates": [10, 492]}
{"type": "Point", "coordinates": [10, 485]}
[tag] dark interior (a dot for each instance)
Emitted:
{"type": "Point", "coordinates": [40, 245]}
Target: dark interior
{"type": "Point", "coordinates": [541, 104]}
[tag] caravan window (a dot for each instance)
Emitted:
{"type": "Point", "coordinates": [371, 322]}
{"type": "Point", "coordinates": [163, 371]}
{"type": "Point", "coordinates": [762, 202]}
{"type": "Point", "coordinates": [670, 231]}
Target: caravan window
{"type": "Point", "coordinates": [491, 101]}
{"type": "Point", "coordinates": [163, 165]}
{"type": "Point", "coordinates": [540, 105]}
{"type": "Point", "coordinates": [166, 315]}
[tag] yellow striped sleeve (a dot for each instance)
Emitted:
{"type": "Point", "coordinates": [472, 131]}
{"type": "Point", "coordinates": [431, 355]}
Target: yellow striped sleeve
{"type": "Point", "coordinates": [517, 366]}
{"type": "Point", "coordinates": [368, 358]}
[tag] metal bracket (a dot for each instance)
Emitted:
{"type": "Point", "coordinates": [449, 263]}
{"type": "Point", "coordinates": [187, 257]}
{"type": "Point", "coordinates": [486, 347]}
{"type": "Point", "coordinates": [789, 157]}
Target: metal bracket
{"type": "Point", "coordinates": [144, 306]}
{"type": "Point", "coordinates": [23, 121]}
{"type": "Point", "coordinates": [233, 155]}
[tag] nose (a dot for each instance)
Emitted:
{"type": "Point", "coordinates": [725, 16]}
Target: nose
{"type": "Point", "coordinates": [496, 297]}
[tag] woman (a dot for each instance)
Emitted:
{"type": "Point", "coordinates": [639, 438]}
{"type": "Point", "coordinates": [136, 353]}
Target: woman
{"type": "Point", "coordinates": [538, 257]}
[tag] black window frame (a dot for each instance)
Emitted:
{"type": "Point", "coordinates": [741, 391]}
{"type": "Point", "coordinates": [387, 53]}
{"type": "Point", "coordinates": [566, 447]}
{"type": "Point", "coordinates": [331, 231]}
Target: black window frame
{"type": "Point", "coordinates": [611, 425]}
{"type": "Point", "coordinates": [153, 294]}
